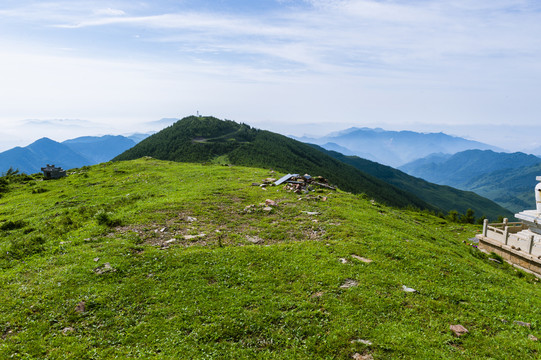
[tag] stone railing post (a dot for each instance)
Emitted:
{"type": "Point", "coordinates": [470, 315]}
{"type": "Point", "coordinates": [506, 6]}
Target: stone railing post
{"type": "Point", "coordinates": [505, 221]}
{"type": "Point", "coordinates": [506, 234]}
{"type": "Point", "coordinates": [485, 227]}
{"type": "Point", "coordinates": [530, 245]}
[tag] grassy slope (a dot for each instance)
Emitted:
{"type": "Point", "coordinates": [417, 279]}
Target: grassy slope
{"type": "Point", "coordinates": [446, 197]}
{"type": "Point", "coordinates": [220, 296]}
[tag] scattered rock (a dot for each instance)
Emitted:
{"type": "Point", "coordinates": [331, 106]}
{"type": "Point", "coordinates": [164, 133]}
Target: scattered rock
{"type": "Point", "coordinates": [366, 342]}
{"type": "Point", "coordinates": [163, 229]}
{"type": "Point", "coordinates": [270, 202]}
{"type": "Point", "coordinates": [191, 237]}
{"type": "Point", "coordinates": [343, 261]}
{"type": "Point", "coordinates": [105, 268]}
{"type": "Point", "coordinates": [255, 240]}
{"type": "Point", "coordinates": [311, 212]}
{"type": "Point", "coordinates": [67, 330]}
{"type": "Point", "coordinates": [408, 289]}
{"type": "Point", "coordinates": [170, 241]}
{"type": "Point", "coordinates": [458, 330]}
{"type": "Point", "coordinates": [317, 294]}
{"type": "Point", "coordinates": [495, 260]}
{"type": "Point", "coordinates": [531, 337]}
{"type": "Point", "coordinates": [190, 219]}
{"type": "Point", "coordinates": [255, 184]}
{"type": "Point", "coordinates": [360, 258]}
{"type": "Point", "coordinates": [267, 208]}
{"type": "Point", "coordinates": [96, 259]}
{"type": "Point", "coordinates": [64, 242]}
{"type": "Point", "coordinates": [358, 356]}
{"type": "Point", "coordinates": [80, 307]}
{"type": "Point", "coordinates": [349, 283]}
{"type": "Point", "coordinates": [522, 323]}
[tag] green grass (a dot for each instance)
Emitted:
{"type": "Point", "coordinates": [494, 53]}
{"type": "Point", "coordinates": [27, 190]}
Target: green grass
{"type": "Point", "coordinates": [220, 296]}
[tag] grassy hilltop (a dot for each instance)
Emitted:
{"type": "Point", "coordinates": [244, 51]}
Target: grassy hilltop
{"type": "Point", "coordinates": [208, 139]}
{"type": "Point", "coordinates": [156, 259]}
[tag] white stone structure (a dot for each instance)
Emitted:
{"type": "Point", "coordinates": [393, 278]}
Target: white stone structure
{"type": "Point", "coordinates": [518, 242]}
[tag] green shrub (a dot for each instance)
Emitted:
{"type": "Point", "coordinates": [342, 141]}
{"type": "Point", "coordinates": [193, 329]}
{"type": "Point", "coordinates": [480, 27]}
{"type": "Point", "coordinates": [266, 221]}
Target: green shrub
{"type": "Point", "coordinates": [39, 191]}
{"type": "Point", "coordinates": [22, 247]}
{"type": "Point", "coordinates": [3, 185]}
{"type": "Point", "coordinates": [12, 225]}
{"type": "Point", "coordinates": [104, 218]}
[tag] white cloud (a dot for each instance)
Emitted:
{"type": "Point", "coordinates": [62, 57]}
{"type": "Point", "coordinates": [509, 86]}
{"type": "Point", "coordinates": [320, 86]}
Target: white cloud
{"type": "Point", "coordinates": [109, 12]}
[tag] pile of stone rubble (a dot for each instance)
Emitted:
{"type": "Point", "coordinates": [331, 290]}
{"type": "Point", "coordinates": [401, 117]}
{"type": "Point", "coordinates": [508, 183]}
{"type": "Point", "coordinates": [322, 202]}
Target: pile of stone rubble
{"type": "Point", "coordinates": [297, 183]}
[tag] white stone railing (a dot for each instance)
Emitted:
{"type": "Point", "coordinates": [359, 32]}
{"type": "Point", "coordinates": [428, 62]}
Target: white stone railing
{"type": "Point", "coordinates": [503, 233]}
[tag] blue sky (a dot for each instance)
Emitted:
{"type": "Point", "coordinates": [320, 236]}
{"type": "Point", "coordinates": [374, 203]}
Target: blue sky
{"type": "Point", "coordinates": [468, 68]}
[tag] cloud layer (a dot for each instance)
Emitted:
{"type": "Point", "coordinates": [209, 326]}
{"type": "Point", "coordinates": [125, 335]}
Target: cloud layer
{"type": "Point", "coordinates": [355, 61]}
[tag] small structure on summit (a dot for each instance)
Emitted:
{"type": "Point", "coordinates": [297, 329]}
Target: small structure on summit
{"type": "Point", "coordinates": [517, 242]}
{"type": "Point", "coordinates": [53, 172]}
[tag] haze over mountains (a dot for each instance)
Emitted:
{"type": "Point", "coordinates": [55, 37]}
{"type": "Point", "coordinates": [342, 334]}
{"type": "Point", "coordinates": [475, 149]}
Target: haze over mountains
{"type": "Point", "coordinates": [393, 148]}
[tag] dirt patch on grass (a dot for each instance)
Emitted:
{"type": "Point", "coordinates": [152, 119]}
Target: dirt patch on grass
{"type": "Point", "coordinates": [229, 224]}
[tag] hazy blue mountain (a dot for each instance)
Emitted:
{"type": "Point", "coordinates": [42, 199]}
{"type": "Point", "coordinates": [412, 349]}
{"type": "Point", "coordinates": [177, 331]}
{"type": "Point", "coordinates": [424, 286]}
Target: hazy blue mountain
{"type": "Point", "coordinates": [81, 151]}
{"type": "Point", "coordinates": [445, 197]}
{"type": "Point", "coordinates": [506, 178]}
{"type": "Point", "coordinates": [428, 161]}
{"type": "Point", "coordinates": [396, 148]}
{"type": "Point", "coordinates": [100, 149]}
{"type": "Point", "coordinates": [461, 168]}
{"type": "Point", "coordinates": [44, 151]}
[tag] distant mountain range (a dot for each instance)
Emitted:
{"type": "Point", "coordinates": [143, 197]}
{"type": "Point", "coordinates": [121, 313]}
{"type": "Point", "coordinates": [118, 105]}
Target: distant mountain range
{"type": "Point", "coordinates": [207, 139]}
{"type": "Point", "coordinates": [508, 179]}
{"type": "Point", "coordinates": [87, 150]}
{"type": "Point", "coordinates": [445, 197]}
{"type": "Point", "coordinates": [393, 148]}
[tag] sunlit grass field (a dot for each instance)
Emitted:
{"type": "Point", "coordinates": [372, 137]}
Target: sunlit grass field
{"type": "Point", "coordinates": [155, 259]}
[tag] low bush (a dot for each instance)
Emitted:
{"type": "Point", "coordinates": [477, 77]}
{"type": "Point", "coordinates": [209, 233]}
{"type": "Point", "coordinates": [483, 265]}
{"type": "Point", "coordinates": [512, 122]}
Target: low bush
{"type": "Point", "coordinates": [104, 218]}
{"type": "Point", "coordinates": [22, 247]}
{"type": "Point", "coordinates": [12, 225]}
